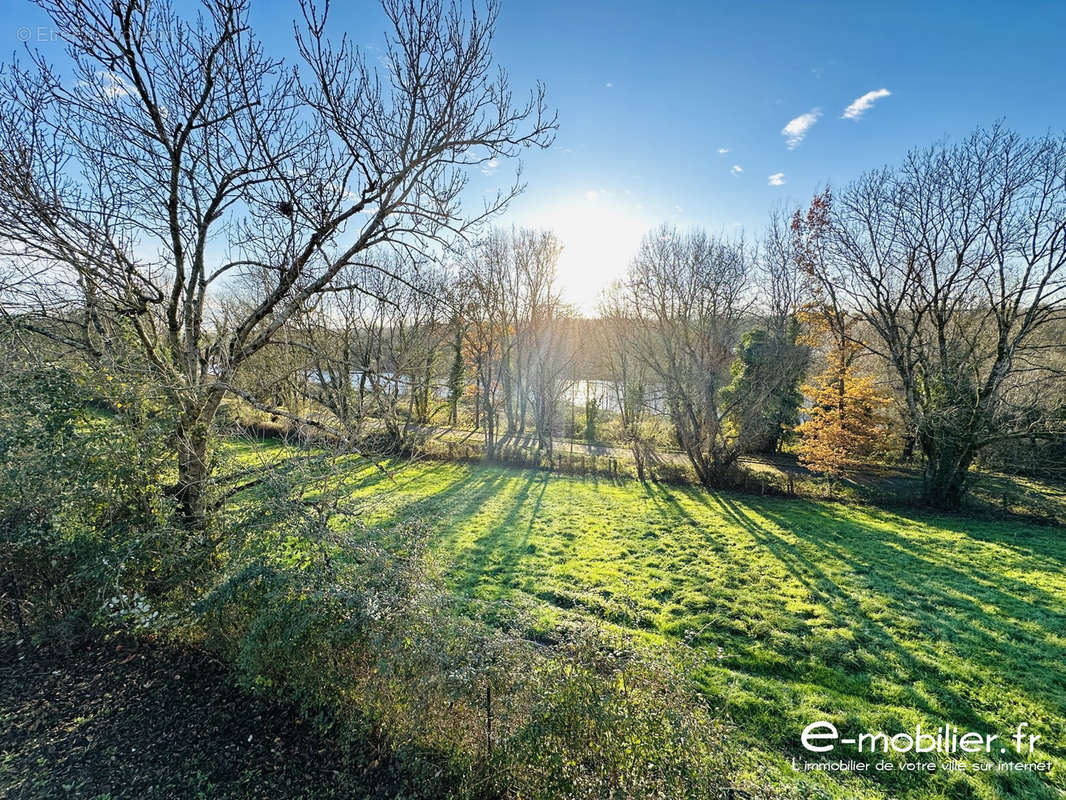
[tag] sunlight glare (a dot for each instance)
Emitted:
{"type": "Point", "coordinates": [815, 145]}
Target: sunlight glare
{"type": "Point", "coordinates": [600, 234]}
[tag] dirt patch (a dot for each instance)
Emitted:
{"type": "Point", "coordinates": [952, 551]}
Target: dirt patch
{"type": "Point", "coordinates": [130, 719]}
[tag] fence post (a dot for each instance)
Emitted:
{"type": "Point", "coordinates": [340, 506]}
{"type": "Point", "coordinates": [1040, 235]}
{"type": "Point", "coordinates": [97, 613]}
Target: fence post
{"type": "Point", "coordinates": [488, 718]}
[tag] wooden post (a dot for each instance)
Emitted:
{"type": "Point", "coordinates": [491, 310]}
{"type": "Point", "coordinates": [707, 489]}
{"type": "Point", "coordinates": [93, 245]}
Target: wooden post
{"type": "Point", "coordinates": [488, 718]}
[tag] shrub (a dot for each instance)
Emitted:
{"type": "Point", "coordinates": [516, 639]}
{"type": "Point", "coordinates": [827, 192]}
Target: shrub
{"type": "Point", "coordinates": [609, 721]}
{"type": "Point", "coordinates": [86, 521]}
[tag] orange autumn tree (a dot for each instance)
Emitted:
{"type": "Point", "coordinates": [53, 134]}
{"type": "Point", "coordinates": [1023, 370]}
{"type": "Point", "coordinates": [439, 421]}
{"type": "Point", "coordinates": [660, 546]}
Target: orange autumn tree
{"type": "Point", "coordinates": [846, 425]}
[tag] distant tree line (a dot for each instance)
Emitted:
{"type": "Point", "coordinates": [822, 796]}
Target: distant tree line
{"type": "Point", "coordinates": [917, 315]}
{"type": "Point", "coordinates": [203, 219]}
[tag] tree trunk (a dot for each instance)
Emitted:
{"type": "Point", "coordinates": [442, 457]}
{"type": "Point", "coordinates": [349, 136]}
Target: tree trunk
{"type": "Point", "coordinates": [946, 470]}
{"type": "Point", "coordinates": [638, 458]}
{"type": "Point", "coordinates": [490, 432]}
{"type": "Point", "coordinates": [507, 386]}
{"type": "Point", "coordinates": [192, 473]}
{"type": "Point", "coordinates": [194, 469]}
{"type": "Point", "coordinates": [715, 474]}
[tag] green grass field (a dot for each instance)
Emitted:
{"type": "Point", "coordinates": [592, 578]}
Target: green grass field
{"type": "Point", "coordinates": [875, 621]}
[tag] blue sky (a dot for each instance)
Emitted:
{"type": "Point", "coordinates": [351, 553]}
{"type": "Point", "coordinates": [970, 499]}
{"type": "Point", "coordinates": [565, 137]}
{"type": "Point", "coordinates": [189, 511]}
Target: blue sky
{"type": "Point", "coordinates": [649, 93]}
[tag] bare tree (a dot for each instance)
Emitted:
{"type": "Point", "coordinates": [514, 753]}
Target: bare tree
{"type": "Point", "coordinates": [543, 349]}
{"type": "Point", "coordinates": [956, 261]}
{"type": "Point", "coordinates": [340, 336]}
{"type": "Point", "coordinates": [369, 354]}
{"type": "Point", "coordinates": [784, 288]}
{"type": "Point", "coordinates": [486, 330]}
{"type": "Point", "coordinates": [628, 375]}
{"type": "Point", "coordinates": [550, 371]}
{"type": "Point", "coordinates": [179, 161]}
{"type": "Point", "coordinates": [687, 294]}
{"type": "Point", "coordinates": [514, 332]}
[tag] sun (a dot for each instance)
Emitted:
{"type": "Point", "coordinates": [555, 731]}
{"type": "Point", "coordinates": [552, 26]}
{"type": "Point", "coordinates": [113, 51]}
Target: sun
{"type": "Point", "coordinates": [599, 233]}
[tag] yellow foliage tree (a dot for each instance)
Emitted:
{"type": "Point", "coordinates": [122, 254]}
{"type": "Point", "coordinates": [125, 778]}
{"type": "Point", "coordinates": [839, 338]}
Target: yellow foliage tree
{"type": "Point", "coordinates": [846, 424]}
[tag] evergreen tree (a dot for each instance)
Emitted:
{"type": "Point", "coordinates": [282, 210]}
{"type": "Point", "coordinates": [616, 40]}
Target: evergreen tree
{"type": "Point", "coordinates": [764, 392]}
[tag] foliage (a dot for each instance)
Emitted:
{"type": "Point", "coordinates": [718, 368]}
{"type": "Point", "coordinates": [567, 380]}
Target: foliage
{"type": "Point", "coordinates": [846, 427]}
{"type": "Point", "coordinates": [456, 375]}
{"type": "Point", "coordinates": [87, 522]}
{"type": "Point", "coordinates": [764, 392]}
{"type": "Point", "coordinates": [592, 411]}
{"type": "Point", "coordinates": [609, 720]}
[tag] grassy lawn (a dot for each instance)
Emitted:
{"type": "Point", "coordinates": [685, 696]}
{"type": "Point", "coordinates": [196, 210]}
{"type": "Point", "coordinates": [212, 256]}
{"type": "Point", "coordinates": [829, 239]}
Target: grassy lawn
{"type": "Point", "coordinates": [873, 620]}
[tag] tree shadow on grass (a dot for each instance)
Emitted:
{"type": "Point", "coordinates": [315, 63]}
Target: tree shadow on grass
{"type": "Point", "coordinates": [461, 496]}
{"type": "Point", "coordinates": [493, 557]}
{"type": "Point", "coordinates": [820, 586]}
{"type": "Point", "coordinates": [941, 589]}
{"type": "Point", "coordinates": [982, 623]}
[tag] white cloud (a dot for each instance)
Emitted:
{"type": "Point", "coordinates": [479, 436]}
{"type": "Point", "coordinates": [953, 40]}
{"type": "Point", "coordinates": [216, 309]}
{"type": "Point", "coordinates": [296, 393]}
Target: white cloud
{"type": "Point", "coordinates": [609, 85]}
{"type": "Point", "coordinates": [777, 179]}
{"type": "Point", "coordinates": [736, 169]}
{"type": "Point", "coordinates": [110, 84]}
{"type": "Point", "coordinates": [797, 128]}
{"type": "Point", "coordinates": [113, 85]}
{"type": "Point", "coordinates": [592, 195]}
{"type": "Point", "coordinates": [490, 166]}
{"type": "Point", "coordinates": [862, 104]}
{"type": "Point", "coordinates": [723, 150]}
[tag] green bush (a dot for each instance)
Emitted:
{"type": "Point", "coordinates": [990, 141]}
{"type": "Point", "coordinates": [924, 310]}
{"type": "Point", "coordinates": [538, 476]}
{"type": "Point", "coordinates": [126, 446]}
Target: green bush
{"type": "Point", "coordinates": [609, 721]}
{"type": "Point", "coordinates": [85, 526]}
